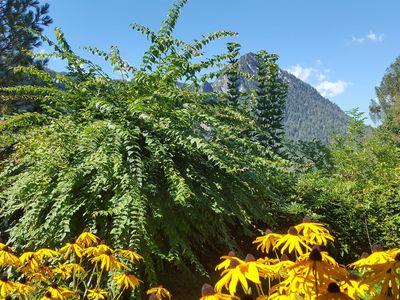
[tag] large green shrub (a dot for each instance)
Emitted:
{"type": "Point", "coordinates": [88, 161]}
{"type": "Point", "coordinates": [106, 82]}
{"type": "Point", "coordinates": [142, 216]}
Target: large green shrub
{"type": "Point", "coordinates": [144, 161]}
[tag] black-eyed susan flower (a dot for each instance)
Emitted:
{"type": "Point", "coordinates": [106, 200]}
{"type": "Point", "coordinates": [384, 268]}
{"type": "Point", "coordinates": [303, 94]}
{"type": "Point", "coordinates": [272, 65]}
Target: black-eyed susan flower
{"type": "Point", "coordinates": [378, 256]}
{"type": "Point", "coordinates": [23, 288]}
{"type": "Point", "coordinates": [46, 252]}
{"type": "Point", "coordinates": [71, 248]}
{"type": "Point", "coordinates": [208, 293]}
{"type": "Point", "coordinates": [225, 264]}
{"type": "Point", "coordinates": [316, 267]}
{"type": "Point", "coordinates": [6, 287]}
{"type": "Point", "coordinates": [130, 254]}
{"type": "Point", "coordinates": [8, 258]}
{"type": "Point", "coordinates": [87, 239]}
{"type": "Point", "coordinates": [333, 293]}
{"type": "Point", "coordinates": [97, 250]}
{"type": "Point", "coordinates": [160, 292]}
{"type": "Point", "coordinates": [387, 274]}
{"type": "Point", "coordinates": [47, 296]}
{"type": "Point", "coordinates": [293, 242]}
{"type": "Point", "coordinates": [240, 273]}
{"type": "Point", "coordinates": [97, 294]}
{"type": "Point", "coordinates": [314, 233]}
{"type": "Point", "coordinates": [62, 270]}
{"type": "Point", "coordinates": [268, 241]}
{"type": "Point", "coordinates": [108, 261]}
{"type": "Point", "coordinates": [127, 280]}
{"type": "Point", "coordinates": [355, 287]}
{"type": "Point", "coordinates": [58, 292]}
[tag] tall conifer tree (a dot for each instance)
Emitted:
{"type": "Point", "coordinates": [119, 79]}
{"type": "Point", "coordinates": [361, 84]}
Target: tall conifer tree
{"type": "Point", "coordinates": [270, 96]}
{"type": "Point", "coordinates": [16, 16]}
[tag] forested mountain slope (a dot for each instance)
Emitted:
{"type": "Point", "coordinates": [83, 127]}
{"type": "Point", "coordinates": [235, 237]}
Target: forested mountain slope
{"type": "Point", "coordinates": [308, 115]}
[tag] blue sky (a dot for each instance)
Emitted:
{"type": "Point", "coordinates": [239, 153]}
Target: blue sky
{"type": "Point", "coordinates": [341, 47]}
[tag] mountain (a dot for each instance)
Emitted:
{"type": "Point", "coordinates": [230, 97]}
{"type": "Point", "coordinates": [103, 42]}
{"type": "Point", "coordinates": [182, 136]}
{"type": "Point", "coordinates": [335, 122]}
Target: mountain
{"type": "Point", "coordinates": [308, 115]}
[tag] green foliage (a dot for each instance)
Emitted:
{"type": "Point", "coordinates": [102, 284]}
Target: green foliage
{"type": "Point", "coordinates": [233, 75]}
{"type": "Point", "coordinates": [358, 196]}
{"type": "Point", "coordinates": [271, 94]}
{"type": "Point", "coordinates": [387, 106]}
{"type": "Point", "coordinates": [144, 162]}
{"type": "Point", "coordinates": [17, 17]}
{"type": "Point", "coordinates": [307, 115]}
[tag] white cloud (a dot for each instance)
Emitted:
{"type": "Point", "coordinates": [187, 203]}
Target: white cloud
{"type": "Point", "coordinates": [371, 36]}
{"type": "Point", "coordinates": [331, 89]}
{"type": "Point", "coordinates": [375, 37]}
{"type": "Point", "coordinates": [300, 72]}
{"type": "Point", "coordinates": [321, 77]}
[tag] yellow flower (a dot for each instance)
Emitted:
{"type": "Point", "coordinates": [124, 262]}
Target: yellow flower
{"type": "Point", "coordinates": [208, 293]}
{"type": "Point", "coordinates": [293, 242]}
{"type": "Point", "coordinates": [30, 262]}
{"type": "Point", "coordinates": [268, 241]}
{"type": "Point", "coordinates": [315, 267]}
{"type": "Point", "coordinates": [160, 292]}
{"type": "Point", "coordinates": [59, 292]}
{"type": "Point", "coordinates": [355, 288]}
{"type": "Point", "coordinates": [108, 261]}
{"type": "Point", "coordinates": [314, 233]}
{"type": "Point", "coordinates": [71, 248]}
{"type": "Point", "coordinates": [6, 287]}
{"type": "Point", "coordinates": [130, 254]}
{"type": "Point", "coordinates": [388, 274]}
{"type": "Point", "coordinates": [97, 293]}
{"type": "Point", "coordinates": [8, 258]}
{"type": "Point", "coordinates": [87, 239]}
{"type": "Point", "coordinates": [127, 280]}
{"type": "Point", "coordinates": [23, 289]}
{"type": "Point", "coordinates": [333, 293]}
{"type": "Point", "coordinates": [239, 272]}
{"type": "Point", "coordinates": [377, 257]}
{"type": "Point", "coordinates": [46, 252]}
{"type": "Point", "coordinates": [225, 264]}
{"type": "Point", "coordinates": [97, 250]}
{"type": "Point", "coordinates": [48, 296]}
{"type": "Point", "coordinates": [63, 271]}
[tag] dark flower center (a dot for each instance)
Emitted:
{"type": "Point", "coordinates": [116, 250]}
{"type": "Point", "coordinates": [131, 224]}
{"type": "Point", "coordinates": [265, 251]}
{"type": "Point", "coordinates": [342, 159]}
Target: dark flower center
{"type": "Point", "coordinates": [108, 252]}
{"type": "Point", "coordinates": [249, 257]}
{"type": "Point", "coordinates": [72, 241]}
{"type": "Point", "coordinates": [86, 229]}
{"type": "Point", "coordinates": [292, 231]}
{"type": "Point", "coordinates": [231, 253]}
{"type": "Point", "coordinates": [207, 290]}
{"type": "Point", "coordinates": [127, 273]}
{"type": "Point", "coordinates": [284, 257]}
{"type": "Point", "coordinates": [333, 288]}
{"type": "Point", "coordinates": [376, 248]}
{"type": "Point", "coordinates": [268, 231]}
{"type": "Point", "coordinates": [306, 220]}
{"type": "Point", "coordinates": [364, 255]}
{"type": "Point", "coordinates": [233, 264]}
{"type": "Point", "coordinates": [315, 255]}
{"type": "Point", "coordinates": [54, 285]}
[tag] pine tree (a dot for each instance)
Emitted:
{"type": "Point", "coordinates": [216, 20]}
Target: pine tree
{"type": "Point", "coordinates": [17, 18]}
{"type": "Point", "coordinates": [271, 96]}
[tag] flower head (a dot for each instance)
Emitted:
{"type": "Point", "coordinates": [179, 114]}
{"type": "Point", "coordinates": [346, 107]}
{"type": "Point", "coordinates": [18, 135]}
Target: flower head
{"type": "Point", "coordinates": [208, 293]}
{"type": "Point", "coordinates": [130, 254]}
{"type": "Point", "coordinates": [97, 294]}
{"type": "Point", "coordinates": [71, 248]}
{"type": "Point", "coordinates": [87, 239]}
{"type": "Point", "coordinates": [127, 280]}
{"type": "Point", "coordinates": [160, 292]}
{"type": "Point", "coordinates": [293, 242]}
{"type": "Point", "coordinates": [268, 241]}
{"type": "Point", "coordinates": [108, 261]}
